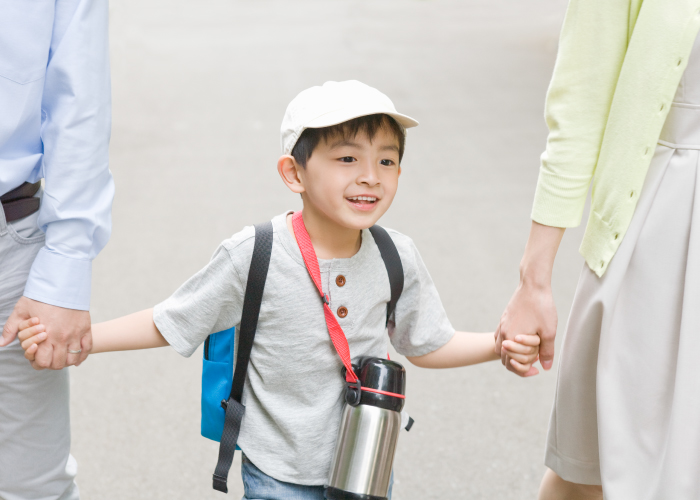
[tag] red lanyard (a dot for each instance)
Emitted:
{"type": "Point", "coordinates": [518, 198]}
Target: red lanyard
{"type": "Point", "coordinates": [336, 332]}
{"type": "Point", "coordinates": [334, 329]}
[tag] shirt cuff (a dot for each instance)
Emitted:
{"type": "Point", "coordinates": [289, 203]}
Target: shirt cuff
{"type": "Point", "coordinates": [560, 200]}
{"type": "Point", "coordinates": [60, 281]}
{"type": "Point", "coordinates": [168, 329]}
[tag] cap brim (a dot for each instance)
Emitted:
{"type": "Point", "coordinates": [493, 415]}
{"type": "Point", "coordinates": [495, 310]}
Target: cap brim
{"type": "Point", "coordinates": [342, 115]}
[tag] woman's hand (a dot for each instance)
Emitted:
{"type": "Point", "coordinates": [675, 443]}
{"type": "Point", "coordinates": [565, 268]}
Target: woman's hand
{"type": "Point", "coordinates": [531, 310]}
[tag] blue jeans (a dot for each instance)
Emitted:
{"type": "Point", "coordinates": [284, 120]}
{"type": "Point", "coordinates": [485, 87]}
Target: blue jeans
{"type": "Point", "coordinates": [259, 486]}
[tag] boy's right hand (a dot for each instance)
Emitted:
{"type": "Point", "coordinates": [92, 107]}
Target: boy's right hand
{"type": "Point", "coordinates": [31, 334]}
{"type": "Point", "coordinates": [135, 331]}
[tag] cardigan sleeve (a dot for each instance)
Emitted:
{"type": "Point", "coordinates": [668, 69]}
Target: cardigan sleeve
{"type": "Point", "coordinates": [592, 49]}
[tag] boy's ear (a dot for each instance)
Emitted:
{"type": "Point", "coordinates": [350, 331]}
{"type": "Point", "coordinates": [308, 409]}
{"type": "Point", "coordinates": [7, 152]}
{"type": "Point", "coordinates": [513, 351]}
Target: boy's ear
{"type": "Point", "coordinates": [289, 171]}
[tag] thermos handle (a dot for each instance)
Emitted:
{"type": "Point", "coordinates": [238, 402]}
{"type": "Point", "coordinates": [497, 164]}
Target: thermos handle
{"type": "Point", "coordinates": [406, 420]}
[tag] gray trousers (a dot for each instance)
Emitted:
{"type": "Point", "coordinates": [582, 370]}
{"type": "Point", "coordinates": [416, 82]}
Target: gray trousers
{"type": "Point", "coordinates": [35, 460]}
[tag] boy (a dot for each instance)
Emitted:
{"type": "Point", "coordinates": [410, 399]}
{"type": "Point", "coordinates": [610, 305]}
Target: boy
{"type": "Point", "coordinates": [342, 146]}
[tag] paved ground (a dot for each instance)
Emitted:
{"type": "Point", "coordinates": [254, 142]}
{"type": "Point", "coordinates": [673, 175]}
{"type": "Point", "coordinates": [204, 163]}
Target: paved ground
{"type": "Point", "coordinates": [199, 91]}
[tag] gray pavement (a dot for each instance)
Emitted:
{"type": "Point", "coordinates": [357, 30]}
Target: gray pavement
{"type": "Point", "coordinates": [199, 90]}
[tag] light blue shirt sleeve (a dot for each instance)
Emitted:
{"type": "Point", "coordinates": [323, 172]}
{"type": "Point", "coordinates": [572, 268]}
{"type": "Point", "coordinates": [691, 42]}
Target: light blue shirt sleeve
{"type": "Point", "coordinates": [75, 127]}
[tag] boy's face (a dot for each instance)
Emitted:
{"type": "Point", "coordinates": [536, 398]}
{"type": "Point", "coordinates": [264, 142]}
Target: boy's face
{"type": "Point", "coordinates": [352, 180]}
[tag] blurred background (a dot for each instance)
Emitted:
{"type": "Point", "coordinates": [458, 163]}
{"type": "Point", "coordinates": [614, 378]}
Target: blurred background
{"type": "Point", "coordinates": [199, 91]}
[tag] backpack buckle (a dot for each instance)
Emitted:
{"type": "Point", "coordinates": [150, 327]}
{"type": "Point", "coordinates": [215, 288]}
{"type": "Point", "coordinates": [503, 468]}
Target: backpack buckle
{"type": "Point", "coordinates": [325, 299]}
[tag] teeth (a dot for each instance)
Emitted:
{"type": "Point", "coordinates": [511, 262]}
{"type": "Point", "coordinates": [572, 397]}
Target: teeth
{"type": "Point", "coordinates": [362, 198]}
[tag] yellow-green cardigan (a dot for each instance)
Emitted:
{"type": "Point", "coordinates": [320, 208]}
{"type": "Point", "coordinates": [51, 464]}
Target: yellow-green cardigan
{"type": "Point", "coordinates": [618, 68]}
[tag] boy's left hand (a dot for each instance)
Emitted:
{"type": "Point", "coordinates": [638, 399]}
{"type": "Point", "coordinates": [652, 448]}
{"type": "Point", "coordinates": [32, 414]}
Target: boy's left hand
{"type": "Point", "coordinates": [523, 352]}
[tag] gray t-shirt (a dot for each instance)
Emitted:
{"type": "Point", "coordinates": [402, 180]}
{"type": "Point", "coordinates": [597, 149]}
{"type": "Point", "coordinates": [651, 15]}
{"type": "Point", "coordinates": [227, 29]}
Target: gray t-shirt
{"type": "Point", "coordinates": [294, 390]}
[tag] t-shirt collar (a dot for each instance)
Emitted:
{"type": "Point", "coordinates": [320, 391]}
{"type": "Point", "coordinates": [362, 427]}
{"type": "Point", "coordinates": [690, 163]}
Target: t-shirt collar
{"type": "Point", "coordinates": [287, 241]}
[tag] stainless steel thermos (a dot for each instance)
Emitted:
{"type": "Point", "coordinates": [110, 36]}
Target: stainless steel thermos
{"type": "Point", "coordinates": [369, 430]}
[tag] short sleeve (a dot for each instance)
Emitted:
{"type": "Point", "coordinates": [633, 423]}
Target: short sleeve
{"type": "Point", "coordinates": [421, 325]}
{"type": "Point", "coordinates": [210, 301]}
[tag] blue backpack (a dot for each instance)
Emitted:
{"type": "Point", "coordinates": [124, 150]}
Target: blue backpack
{"type": "Point", "coordinates": [222, 389]}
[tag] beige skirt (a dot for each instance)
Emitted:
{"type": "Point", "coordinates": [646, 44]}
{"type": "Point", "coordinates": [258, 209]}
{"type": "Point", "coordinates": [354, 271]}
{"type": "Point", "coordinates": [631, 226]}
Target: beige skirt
{"type": "Point", "coordinates": [627, 408]}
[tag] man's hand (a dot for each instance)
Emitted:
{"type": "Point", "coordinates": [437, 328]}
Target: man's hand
{"type": "Point", "coordinates": [67, 330]}
{"type": "Point", "coordinates": [530, 311]}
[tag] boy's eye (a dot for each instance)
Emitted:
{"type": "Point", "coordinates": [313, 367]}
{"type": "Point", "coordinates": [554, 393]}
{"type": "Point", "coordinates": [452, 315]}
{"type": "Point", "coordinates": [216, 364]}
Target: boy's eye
{"type": "Point", "coordinates": [387, 163]}
{"type": "Point", "coordinates": [347, 159]}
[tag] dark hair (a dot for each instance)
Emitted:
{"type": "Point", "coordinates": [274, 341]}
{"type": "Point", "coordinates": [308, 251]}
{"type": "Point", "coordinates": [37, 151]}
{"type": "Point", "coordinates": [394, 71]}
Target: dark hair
{"type": "Point", "coordinates": [369, 125]}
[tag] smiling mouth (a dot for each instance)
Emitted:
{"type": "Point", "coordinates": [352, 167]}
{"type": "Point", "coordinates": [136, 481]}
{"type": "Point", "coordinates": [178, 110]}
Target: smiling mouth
{"type": "Point", "coordinates": [363, 203]}
{"type": "Point", "coordinates": [363, 200]}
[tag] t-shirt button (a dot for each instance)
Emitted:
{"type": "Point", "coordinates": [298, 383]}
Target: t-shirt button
{"type": "Point", "coordinates": [342, 311]}
{"type": "Point", "coordinates": [340, 280]}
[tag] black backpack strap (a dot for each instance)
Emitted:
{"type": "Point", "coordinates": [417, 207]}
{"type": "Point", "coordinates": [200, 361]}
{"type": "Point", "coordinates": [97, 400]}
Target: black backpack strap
{"type": "Point", "coordinates": [249, 321]}
{"type": "Point", "coordinates": [394, 268]}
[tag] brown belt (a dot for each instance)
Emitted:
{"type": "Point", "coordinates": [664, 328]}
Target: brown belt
{"type": "Point", "coordinates": [20, 202]}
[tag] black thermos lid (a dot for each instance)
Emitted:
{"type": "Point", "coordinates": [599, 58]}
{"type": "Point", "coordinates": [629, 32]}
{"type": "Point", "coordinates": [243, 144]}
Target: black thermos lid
{"type": "Point", "coordinates": [384, 375]}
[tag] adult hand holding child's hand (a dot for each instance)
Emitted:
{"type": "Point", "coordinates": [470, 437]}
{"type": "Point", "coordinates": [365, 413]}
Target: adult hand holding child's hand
{"type": "Point", "coordinates": [531, 310]}
{"type": "Point", "coordinates": [68, 332]}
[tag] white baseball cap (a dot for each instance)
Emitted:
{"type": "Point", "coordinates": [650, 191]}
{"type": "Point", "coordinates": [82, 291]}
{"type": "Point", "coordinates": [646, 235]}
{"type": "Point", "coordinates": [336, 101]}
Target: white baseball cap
{"type": "Point", "coordinates": [333, 103]}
